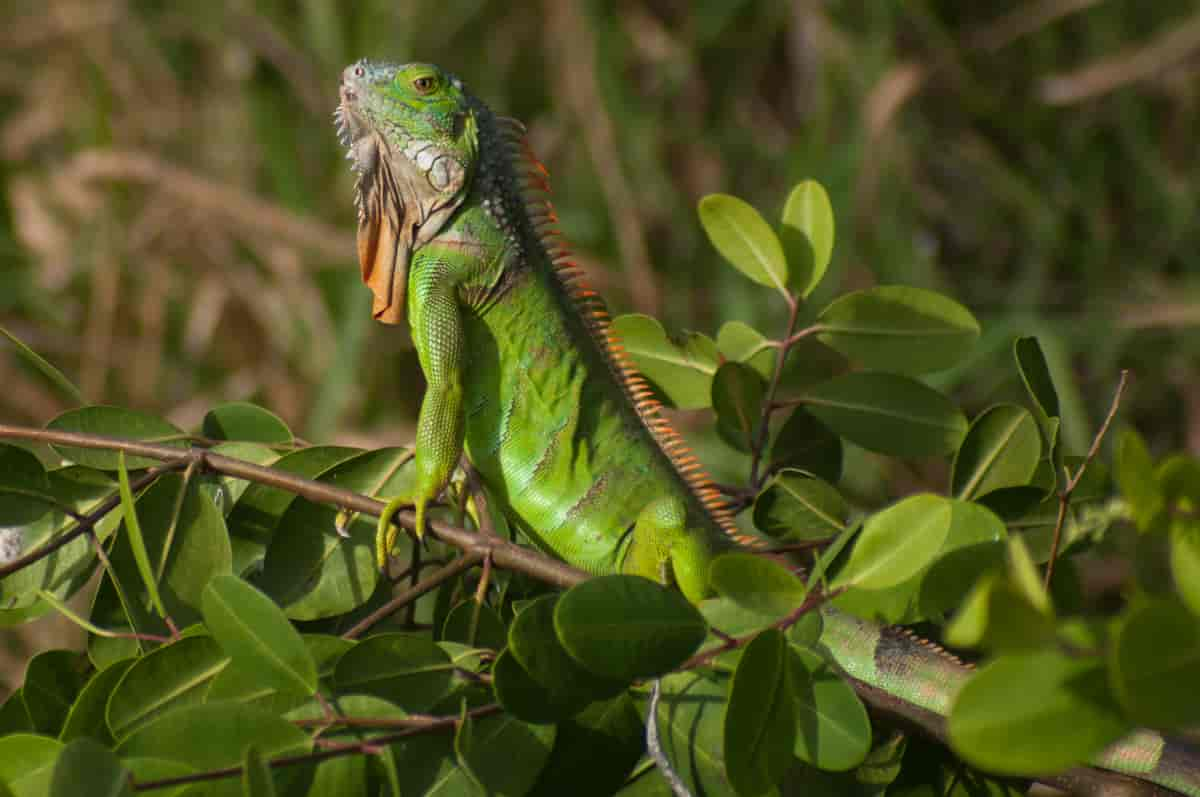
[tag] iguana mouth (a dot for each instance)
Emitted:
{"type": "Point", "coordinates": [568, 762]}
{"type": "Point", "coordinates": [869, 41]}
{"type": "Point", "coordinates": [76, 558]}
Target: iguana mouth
{"type": "Point", "coordinates": [380, 210]}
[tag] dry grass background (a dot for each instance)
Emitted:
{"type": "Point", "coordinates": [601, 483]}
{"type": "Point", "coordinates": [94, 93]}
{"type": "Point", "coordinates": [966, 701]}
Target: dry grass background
{"type": "Point", "coordinates": [176, 224]}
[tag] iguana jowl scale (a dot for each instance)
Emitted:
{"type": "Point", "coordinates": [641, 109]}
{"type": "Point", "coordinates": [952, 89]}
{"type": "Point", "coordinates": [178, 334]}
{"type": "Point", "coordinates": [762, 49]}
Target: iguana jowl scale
{"type": "Point", "coordinates": [525, 374]}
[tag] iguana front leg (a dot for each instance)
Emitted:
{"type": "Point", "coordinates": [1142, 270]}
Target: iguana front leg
{"type": "Point", "coordinates": [437, 331]}
{"type": "Point", "coordinates": [665, 549]}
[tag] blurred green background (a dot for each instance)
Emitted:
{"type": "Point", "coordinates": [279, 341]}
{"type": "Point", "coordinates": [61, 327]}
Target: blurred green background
{"type": "Point", "coordinates": [176, 226]}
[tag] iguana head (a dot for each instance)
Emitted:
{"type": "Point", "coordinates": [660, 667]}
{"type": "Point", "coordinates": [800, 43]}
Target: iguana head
{"type": "Point", "coordinates": [412, 137]}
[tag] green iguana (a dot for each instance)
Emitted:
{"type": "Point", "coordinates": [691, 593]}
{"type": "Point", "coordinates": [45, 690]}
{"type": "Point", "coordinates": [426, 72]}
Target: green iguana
{"type": "Point", "coordinates": [526, 377]}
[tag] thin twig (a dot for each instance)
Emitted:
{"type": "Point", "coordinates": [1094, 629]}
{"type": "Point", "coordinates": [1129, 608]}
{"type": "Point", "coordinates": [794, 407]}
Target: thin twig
{"type": "Point", "coordinates": [1064, 496]}
{"type": "Point", "coordinates": [333, 751]}
{"type": "Point", "coordinates": [768, 405]}
{"type": "Point", "coordinates": [451, 570]}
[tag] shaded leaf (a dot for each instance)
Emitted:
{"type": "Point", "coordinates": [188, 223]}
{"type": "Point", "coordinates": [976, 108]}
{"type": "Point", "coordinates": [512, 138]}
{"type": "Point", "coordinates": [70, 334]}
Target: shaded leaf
{"type": "Point", "coordinates": [897, 328]}
{"type": "Point", "coordinates": [22, 481]}
{"type": "Point", "coordinates": [757, 584]}
{"type": "Point", "coordinates": [682, 370]}
{"type": "Point", "coordinates": [1001, 449]}
{"type": "Point", "coordinates": [256, 775]}
{"type": "Point", "coordinates": [888, 413]}
{"type": "Point", "coordinates": [808, 216]}
{"type": "Point", "coordinates": [627, 627]}
{"type": "Point", "coordinates": [169, 677]}
{"type": "Point", "coordinates": [1154, 663]}
{"type": "Point", "coordinates": [254, 633]}
{"type": "Point", "coordinates": [743, 238]}
{"type": "Point", "coordinates": [87, 714]}
{"type": "Point", "coordinates": [408, 670]}
{"type": "Point", "coordinates": [833, 731]}
{"type": "Point", "coordinates": [611, 732]}
{"type": "Point", "coordinates": [1036, 712]}
{"type": "Point", "coordinates": [87, 767]}
{"type": "Point", "coordinates": [760, 721]}
{"type": "Point", "coordinates": [53, 678]}
{"type": "Point", "coordinates": [1035, 373]}
{"type": "Point", "coordinates": [807, 444]}
{"type": "Point", "coordinates": [794, 507]}
{"type": "Point", "coordinates": [504, 754]}
{"type": "Point", "coordinates": [489, 631]}
{"type": "Point", "coordinates": [241, 420]}
{"type": "Point", "coordinates": [114, 422]}
{"type": "Point", "coordinates": [737, 396]}
{"type": "Point", "coordinates": [742, 343]}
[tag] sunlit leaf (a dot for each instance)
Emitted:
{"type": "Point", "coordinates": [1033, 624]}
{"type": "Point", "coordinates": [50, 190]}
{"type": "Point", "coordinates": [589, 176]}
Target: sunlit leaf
{"type": "Point", "coordinates": [682, 369]}
{"type": "Point", "coordinates": [744, 239]}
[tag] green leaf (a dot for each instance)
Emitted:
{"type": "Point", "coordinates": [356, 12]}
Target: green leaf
{"type": "Point", "coordinates": [1036, 712]}
{"type": "Point", "coordinates": [760, 721]}
{"type": "Point", "coordinates": [1154, 664]}
{"type": "Point", "coordinates": [187, 544]}
{"type": "Point", "coordinates": [52, 680]}
{"type": "Point", "coordinates": [997, 615]}
{"type": "Point", "coordinates": [796, 507]}
{"type": "Point", "coordinates": [808, 216]}
{"type": "Point", "coordinates": [742, 343]}
{"type": "Point", "coordinates": [312, 571]}
{"type": "Point", "coordinates": [757, 584]}
{"type": "Point", "coordinates": [241, 420]}
{"type": "Point", "coordinates": [534, 644]}
{"type": "Point", "coordinates": [169, 677]}
{"type": "Point", "coordinates": [87, 767]}
{"type": "Point", "coordinates": [1185, 561]}
{"type": "Point", "coordinates": [888, 413]}
{"type": "Point", "coordinates": [489, 630]}
{"type": "Point", "coordinates": [1001, 449]}
{"type": "Point", "coordinates": [681, 369]}
{"type": "Point", "coordinates": [897, 543]}
{"type": "Point", "coordinates": [52, 374]}
{"type": "Point", "coordinates": [897, 328]}
{"type": "Point", "coordinates": [137, 543]}
{"type": "Point", "coordinates": [1035, 373]}
{"type": "Point", "coordinates": [114, 422]}
{"type": "Point", "coordinates": [611, 732]}
{"type": "Point", "coordinates": [214, 735]}
{"type": "Point", "coordinates": [27, 763]}
{"type": "Point", "coordinates": [1136, 477]}
{"type": "Point", "coordinates": [743, 238]}
{"type": "Point", "coordinates": [256, 515]}
{"type": "Point", "coordinates": [87, 714]}
{"type": "Point", "coordinates": [22, 482]}
{"type": "Point", "coordinates": [737, 396]}
{"type": "Point", "coordinates": [626, 627]}
{"type": "Point", "coordinates": [408, 670]}
{"type": "Point", "coordinates": [691, 727]}
{"type": "Point", "coordinates": [833, 731]}
{"type": "Point", "coordinates": [254, 633]}
{"type": "Point", "coordinates": [504, 754]}
{"type": "Point", "coordinates": [807, 444]}
{"type": "Point", "coordinates": [256, 775]}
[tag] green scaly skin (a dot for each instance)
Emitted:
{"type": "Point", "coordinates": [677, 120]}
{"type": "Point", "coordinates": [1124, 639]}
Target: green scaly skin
{"type": "Point", "coordinates": [526, 379]}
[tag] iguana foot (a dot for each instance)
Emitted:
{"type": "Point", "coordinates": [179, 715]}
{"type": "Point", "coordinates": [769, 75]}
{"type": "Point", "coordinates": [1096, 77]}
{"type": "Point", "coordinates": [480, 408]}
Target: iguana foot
{"type": "Point", "coordinates": [386, 531]}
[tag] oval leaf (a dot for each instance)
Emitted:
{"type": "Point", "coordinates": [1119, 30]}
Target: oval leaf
{"type": "Point", "coordinates": [899, 328]}
{"type": "Point", "coordinates": [172, 676]}
{"type": "Point", "coordinates": [22, 481]}
{"type": "Point", "coordinates": [808, 215]}
{"type": "Point", "coordinates": [743, 238]}
{"type": "Point", "coordinates": [114, 422]}
{"type": "Point", "coordinates": [737, 396]}
{"type": "Point", "coordinates": [1153, 664]}
{"type": "Point", "coordinates": [408, 670]}
{"type": "Point", "coordinates": [897, 543]}
{"type": "Point", "coordinates": [760, 721]}
{"type": "Point", "coordinates": [757, 584]}
{"type": "Point", "coordinates": [742, 343]}
{"type": "Point", "coordinates": [253, 631]}
{"type": "Point", "coordinates": [682, 370]}
{"type": "Point", "coordinates": [1001, 449]}
{"type": "Point", "coordinates": [809, 445]}
{"type": "Point", "coordinates": [241, 420]}
{"type": "Point", "coordinates": [888, 413]}
{"type": "Point", "coordinates": [795, 507]}
{"type": "Point", "coordinates": [627, 627]}
{"type": "Point", "coordinates": [833, 729]}
{"type": "Point", "coordinates": [87, 767]}
{"type": "Point", "coordinates": [1033, 713]}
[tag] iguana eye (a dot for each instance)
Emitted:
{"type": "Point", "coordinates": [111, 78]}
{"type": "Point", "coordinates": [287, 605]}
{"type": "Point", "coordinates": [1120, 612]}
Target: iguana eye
{"type": "Point", "coordinates": [424, 84]}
